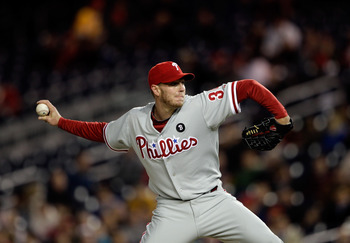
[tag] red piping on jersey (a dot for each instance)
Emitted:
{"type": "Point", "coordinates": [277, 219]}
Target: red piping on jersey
{"type": "Point", "coordinates": [109, 146]}
{"type": "Point", "coordinates": [143, 234]}
{"type": "Point", "coordinates": [234, 97]}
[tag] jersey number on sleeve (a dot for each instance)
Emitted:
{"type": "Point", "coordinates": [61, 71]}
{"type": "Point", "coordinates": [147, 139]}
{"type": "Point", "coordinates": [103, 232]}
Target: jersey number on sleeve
{"type": "Point", "coordinates": [216, 94]}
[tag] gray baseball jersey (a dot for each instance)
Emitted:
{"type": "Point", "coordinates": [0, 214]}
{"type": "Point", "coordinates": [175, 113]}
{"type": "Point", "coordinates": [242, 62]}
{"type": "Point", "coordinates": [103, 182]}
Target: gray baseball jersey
{"type": "Point", "coordinates": [183, 164]}
{"type": "Point", "coordinates": [182, 161]}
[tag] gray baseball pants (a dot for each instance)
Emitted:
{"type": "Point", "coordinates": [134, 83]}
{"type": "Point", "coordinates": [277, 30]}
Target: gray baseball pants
{"type": "Point", "coordinates": [217, 215]}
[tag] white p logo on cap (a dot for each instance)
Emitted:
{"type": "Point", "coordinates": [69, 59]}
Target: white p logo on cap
{"type": "Point", "coordinates": [175, 65]}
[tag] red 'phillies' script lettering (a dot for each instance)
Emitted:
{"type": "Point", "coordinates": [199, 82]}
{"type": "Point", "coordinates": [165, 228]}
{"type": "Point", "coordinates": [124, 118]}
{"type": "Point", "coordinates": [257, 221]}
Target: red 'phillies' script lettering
{"type": "Point", "coordinates": [165, 147]}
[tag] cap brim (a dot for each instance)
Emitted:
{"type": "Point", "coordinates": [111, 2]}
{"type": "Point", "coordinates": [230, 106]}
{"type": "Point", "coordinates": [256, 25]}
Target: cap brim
{"type": "Point", "coordinates": [188, 76]}
{"type": "Point", "coordinates": [185, 76]}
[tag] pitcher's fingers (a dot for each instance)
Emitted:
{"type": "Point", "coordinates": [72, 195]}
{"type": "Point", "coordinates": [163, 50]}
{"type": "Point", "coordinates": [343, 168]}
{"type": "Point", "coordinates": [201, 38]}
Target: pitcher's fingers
{"type": "Point", "coordinates": [43, 118]}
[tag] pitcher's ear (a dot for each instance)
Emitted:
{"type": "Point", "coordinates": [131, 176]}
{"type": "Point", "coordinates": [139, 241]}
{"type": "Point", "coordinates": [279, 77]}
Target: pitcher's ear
{"type": "Point", "coordinates": [155, 90]}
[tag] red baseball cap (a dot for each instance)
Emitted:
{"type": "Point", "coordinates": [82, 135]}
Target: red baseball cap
{"type": "Point", "coordinates": [167, 72]}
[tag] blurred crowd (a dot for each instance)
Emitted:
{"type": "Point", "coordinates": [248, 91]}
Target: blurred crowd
{"type": "Point", "coordinates": [300, 188]}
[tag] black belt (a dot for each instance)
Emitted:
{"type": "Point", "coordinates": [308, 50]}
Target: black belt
{"type": "Point", "coordinates": [212, 190]}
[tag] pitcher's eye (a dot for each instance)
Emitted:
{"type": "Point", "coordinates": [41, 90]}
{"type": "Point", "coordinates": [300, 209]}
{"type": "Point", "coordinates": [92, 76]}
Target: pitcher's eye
{"type": "Point", "coordinates": [173, 83]}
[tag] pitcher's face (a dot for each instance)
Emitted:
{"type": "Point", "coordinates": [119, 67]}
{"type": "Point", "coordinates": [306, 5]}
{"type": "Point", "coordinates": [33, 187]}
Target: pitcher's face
{"type": "Point", "coordinates": [172, 94]}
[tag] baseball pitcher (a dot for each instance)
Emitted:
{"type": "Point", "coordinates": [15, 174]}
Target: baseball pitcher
{"type": "Point", "coordinates": [176, 139]}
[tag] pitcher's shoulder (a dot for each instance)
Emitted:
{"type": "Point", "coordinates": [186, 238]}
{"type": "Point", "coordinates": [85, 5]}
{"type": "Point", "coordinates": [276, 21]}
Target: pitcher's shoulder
{"type": "Point", "coordinates": [145, 108]}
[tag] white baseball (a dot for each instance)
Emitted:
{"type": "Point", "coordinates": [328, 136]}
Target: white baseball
{"type": "Point", "coordinates": [42, 110]}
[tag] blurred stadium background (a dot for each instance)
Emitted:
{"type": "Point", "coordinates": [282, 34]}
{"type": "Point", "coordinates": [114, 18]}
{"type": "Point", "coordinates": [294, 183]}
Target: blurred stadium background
{"type": "Point", "coordinates": [91, 59]}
